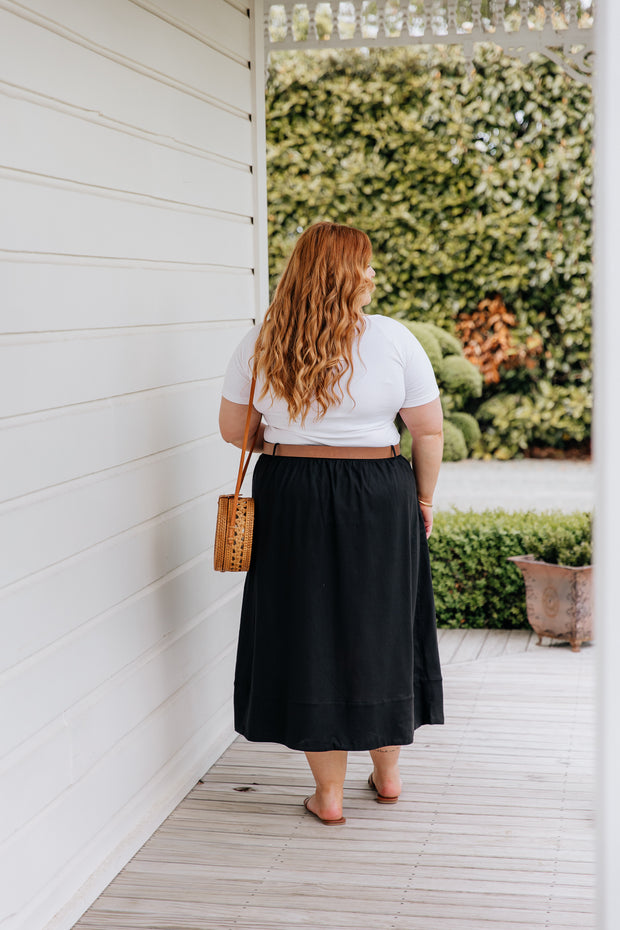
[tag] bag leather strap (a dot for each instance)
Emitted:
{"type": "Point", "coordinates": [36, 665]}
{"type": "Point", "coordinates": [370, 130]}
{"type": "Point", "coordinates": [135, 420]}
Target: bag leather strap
{"type": "Point", "coordinates": [243, 465]}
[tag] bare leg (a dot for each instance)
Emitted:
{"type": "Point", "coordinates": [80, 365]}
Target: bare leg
{"type": "Point", "coordinates": [386, 775]}
{"type": "Point", "coordinates": [329, 770]}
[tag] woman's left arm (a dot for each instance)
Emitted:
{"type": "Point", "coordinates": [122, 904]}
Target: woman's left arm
{"type": "Point", "coordinates": [425, 423]}
{"type": "Point", "coordinates": [232, 424]}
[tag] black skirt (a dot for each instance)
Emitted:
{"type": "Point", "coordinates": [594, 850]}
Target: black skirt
{"type": "Point", "coordinates": [338, 642]}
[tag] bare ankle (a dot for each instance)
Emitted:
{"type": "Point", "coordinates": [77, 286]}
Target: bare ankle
{"type": "Point", "coordinates": [327, 803]}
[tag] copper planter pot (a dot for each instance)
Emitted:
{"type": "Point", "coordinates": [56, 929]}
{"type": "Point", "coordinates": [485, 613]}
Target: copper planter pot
{"type": "Point", "coordinates": [558, 600]}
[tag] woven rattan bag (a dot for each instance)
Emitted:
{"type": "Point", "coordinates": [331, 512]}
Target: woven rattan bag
{"type": "Point", "coordinates": [234, 528]}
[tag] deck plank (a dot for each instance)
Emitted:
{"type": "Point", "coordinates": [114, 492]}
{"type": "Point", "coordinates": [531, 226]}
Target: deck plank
{"type": "Point", "coordinates": [449, 642]}
{"type": "Point", "coordinates": [494, 827]}
{"type": "Point", "coordinates": [470, 646]}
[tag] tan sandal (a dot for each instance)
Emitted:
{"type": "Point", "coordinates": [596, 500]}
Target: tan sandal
{"type": "Point", "coordinates": [381, 798]}
{"type": "Point", "coordinates": [327, 822]}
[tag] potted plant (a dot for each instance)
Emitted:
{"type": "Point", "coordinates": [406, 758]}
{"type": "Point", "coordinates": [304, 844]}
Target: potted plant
{"type": "Point", "coordinates": [558, 600]}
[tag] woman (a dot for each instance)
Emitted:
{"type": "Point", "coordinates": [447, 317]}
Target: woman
{"type": "Point", "coordinates": [337, 646]}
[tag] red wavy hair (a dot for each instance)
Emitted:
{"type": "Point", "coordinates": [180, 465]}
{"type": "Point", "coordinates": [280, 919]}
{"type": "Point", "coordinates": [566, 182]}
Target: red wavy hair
{"type": "Point", "coordinates": [305, 344]}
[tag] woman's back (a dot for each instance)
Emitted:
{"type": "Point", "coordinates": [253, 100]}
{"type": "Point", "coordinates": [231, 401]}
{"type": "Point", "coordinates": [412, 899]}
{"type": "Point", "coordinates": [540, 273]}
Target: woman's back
{"type": "Point", "coordinates": [390, 371]}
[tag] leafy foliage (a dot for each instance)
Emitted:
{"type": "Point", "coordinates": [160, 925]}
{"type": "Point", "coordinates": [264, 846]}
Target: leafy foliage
{"type": "Point", "coordinates": [459, 375]}
{"type": "Point", "coordinates": [474, 584]}
{"type": "Point", "coordinates": [468, 426]}
{"type": "Point", "coordinates": [454, 444]}
{"type": "Point", "coordinates": [426, 334]}
{"type": "Point", "coordinates": [514, 422]}
{"type": "Point", "coordinates": [469, 185]}
{"type": "Point", "coordinates": [458, 380]}
{"type": "Point", "coordinates": [488, 343]}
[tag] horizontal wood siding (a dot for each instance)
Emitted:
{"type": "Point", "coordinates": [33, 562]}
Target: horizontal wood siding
{"type": "Point", "coordinates": [129, 258]}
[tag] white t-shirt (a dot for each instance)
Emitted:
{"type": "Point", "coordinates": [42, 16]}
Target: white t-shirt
{"type": "Point", "coordinates": [392, 371]}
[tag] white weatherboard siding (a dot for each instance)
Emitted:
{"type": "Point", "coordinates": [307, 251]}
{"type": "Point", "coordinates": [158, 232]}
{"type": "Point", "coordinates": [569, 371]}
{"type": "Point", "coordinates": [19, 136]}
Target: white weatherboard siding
{"type": "Point", "coordinates": [132, 250]}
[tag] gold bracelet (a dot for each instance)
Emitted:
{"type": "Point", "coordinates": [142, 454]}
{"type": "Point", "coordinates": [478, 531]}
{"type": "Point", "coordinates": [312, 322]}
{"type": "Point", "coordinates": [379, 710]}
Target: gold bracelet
{"type": "Point", "coordinates": [426, 503]}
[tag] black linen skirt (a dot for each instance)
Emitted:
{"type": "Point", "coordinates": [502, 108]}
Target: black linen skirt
{"type": "Point", "coordinates": [338, 642]}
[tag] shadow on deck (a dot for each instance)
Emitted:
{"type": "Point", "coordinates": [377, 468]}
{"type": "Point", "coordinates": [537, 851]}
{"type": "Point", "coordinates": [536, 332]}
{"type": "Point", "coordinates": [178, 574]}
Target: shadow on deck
{"type": "Point", "coordinates": [494, 829]}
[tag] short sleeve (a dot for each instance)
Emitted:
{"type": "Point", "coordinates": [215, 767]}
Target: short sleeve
{"type": "Point", "coordinates": [238, 377]}
{"type": "Point", "coordinates": [420, 382]}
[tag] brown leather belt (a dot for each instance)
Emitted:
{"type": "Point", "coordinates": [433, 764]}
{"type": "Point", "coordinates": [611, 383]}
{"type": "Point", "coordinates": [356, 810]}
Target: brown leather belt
{"type": "Point", "coordinates": [331, 452]}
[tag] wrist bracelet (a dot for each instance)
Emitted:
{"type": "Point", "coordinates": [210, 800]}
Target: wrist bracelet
{"type": "Point", "coordinates": [426, 503]}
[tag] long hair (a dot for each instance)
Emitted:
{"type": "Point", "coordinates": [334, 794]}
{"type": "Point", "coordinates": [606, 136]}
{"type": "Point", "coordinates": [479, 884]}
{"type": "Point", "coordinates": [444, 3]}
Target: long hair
{"type": "Point", "coordinates": [305, 344]}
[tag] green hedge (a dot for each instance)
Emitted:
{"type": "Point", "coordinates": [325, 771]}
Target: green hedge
{"type": "Point", "coordinates": [468, 185]}
{"type": "Point", "coordinates": [474, 584]}
{"type": "Point", "coordinates": [459, 381]}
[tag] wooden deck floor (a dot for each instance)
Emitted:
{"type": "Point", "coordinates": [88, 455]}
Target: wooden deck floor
{"type": "Point", "coordinates": [493, 831]}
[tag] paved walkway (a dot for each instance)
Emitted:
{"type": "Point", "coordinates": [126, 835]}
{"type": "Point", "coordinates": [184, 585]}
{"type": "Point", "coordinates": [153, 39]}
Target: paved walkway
{"type": "Point", "coordinates": [526, 484]}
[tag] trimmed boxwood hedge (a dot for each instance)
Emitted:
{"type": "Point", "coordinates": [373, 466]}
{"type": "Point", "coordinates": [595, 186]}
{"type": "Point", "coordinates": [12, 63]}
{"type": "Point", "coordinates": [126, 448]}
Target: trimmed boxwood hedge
{"type": "Point", "coordinates": [468, 426]}
{"type": "Point", "coordinates": [454, 444]}
{"type": "Point", "coordinates": [458, 382]}
{"type": "Point", "coordinates": [474, 584]}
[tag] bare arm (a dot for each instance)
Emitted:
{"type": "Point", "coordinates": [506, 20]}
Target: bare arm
{"type": "Point", "coordinates": [232, 424]}
{"type": "Point", "coordinates": [425, 424]}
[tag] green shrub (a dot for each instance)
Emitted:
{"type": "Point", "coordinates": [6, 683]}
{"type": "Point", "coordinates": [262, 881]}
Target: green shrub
{"type": "Point", "coordinates": [458, 380]}
{"type": "Point", "coordinates": [454, 442]}
{"type": "Point", "coordinates": [474, 584]}
{"type": "Point", "coordinates": [427, 337]}
{"type": "Point", "coordinates": [448, 343]}
{"type": "Point", "coordinates": [459, 376]}
{"type": "Point", "coordinates": [468, 426]}
{"type": "Point", "coordinates": [454, 445]}
{"type": "Point", "coordinates": [552, 415]}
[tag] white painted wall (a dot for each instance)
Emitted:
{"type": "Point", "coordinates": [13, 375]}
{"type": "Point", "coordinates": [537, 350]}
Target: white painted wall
{"type": "Point", "coordinates": [127, 249]}
{"type": "Point", "coordinates": [607, 456]}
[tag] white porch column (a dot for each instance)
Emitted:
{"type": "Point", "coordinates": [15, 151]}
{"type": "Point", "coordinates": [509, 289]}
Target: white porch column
{"type": "Point", "coordinates": [607, 453]}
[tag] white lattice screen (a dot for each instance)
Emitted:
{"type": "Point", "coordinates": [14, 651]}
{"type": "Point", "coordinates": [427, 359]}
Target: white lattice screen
{"type": "Point", "coordinates": [560, 29]}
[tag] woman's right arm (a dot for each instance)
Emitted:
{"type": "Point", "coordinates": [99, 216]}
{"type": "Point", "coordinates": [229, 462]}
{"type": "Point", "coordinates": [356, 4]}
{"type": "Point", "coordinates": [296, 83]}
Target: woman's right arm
{"type": "Point", "coordinates": [425, 423]}
{"type": "Point", "coordinates": [232, 424]}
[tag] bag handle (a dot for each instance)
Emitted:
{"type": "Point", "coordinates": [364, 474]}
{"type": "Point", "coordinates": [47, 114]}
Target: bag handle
{"type": "Point", "coordinates": [243, 465]}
